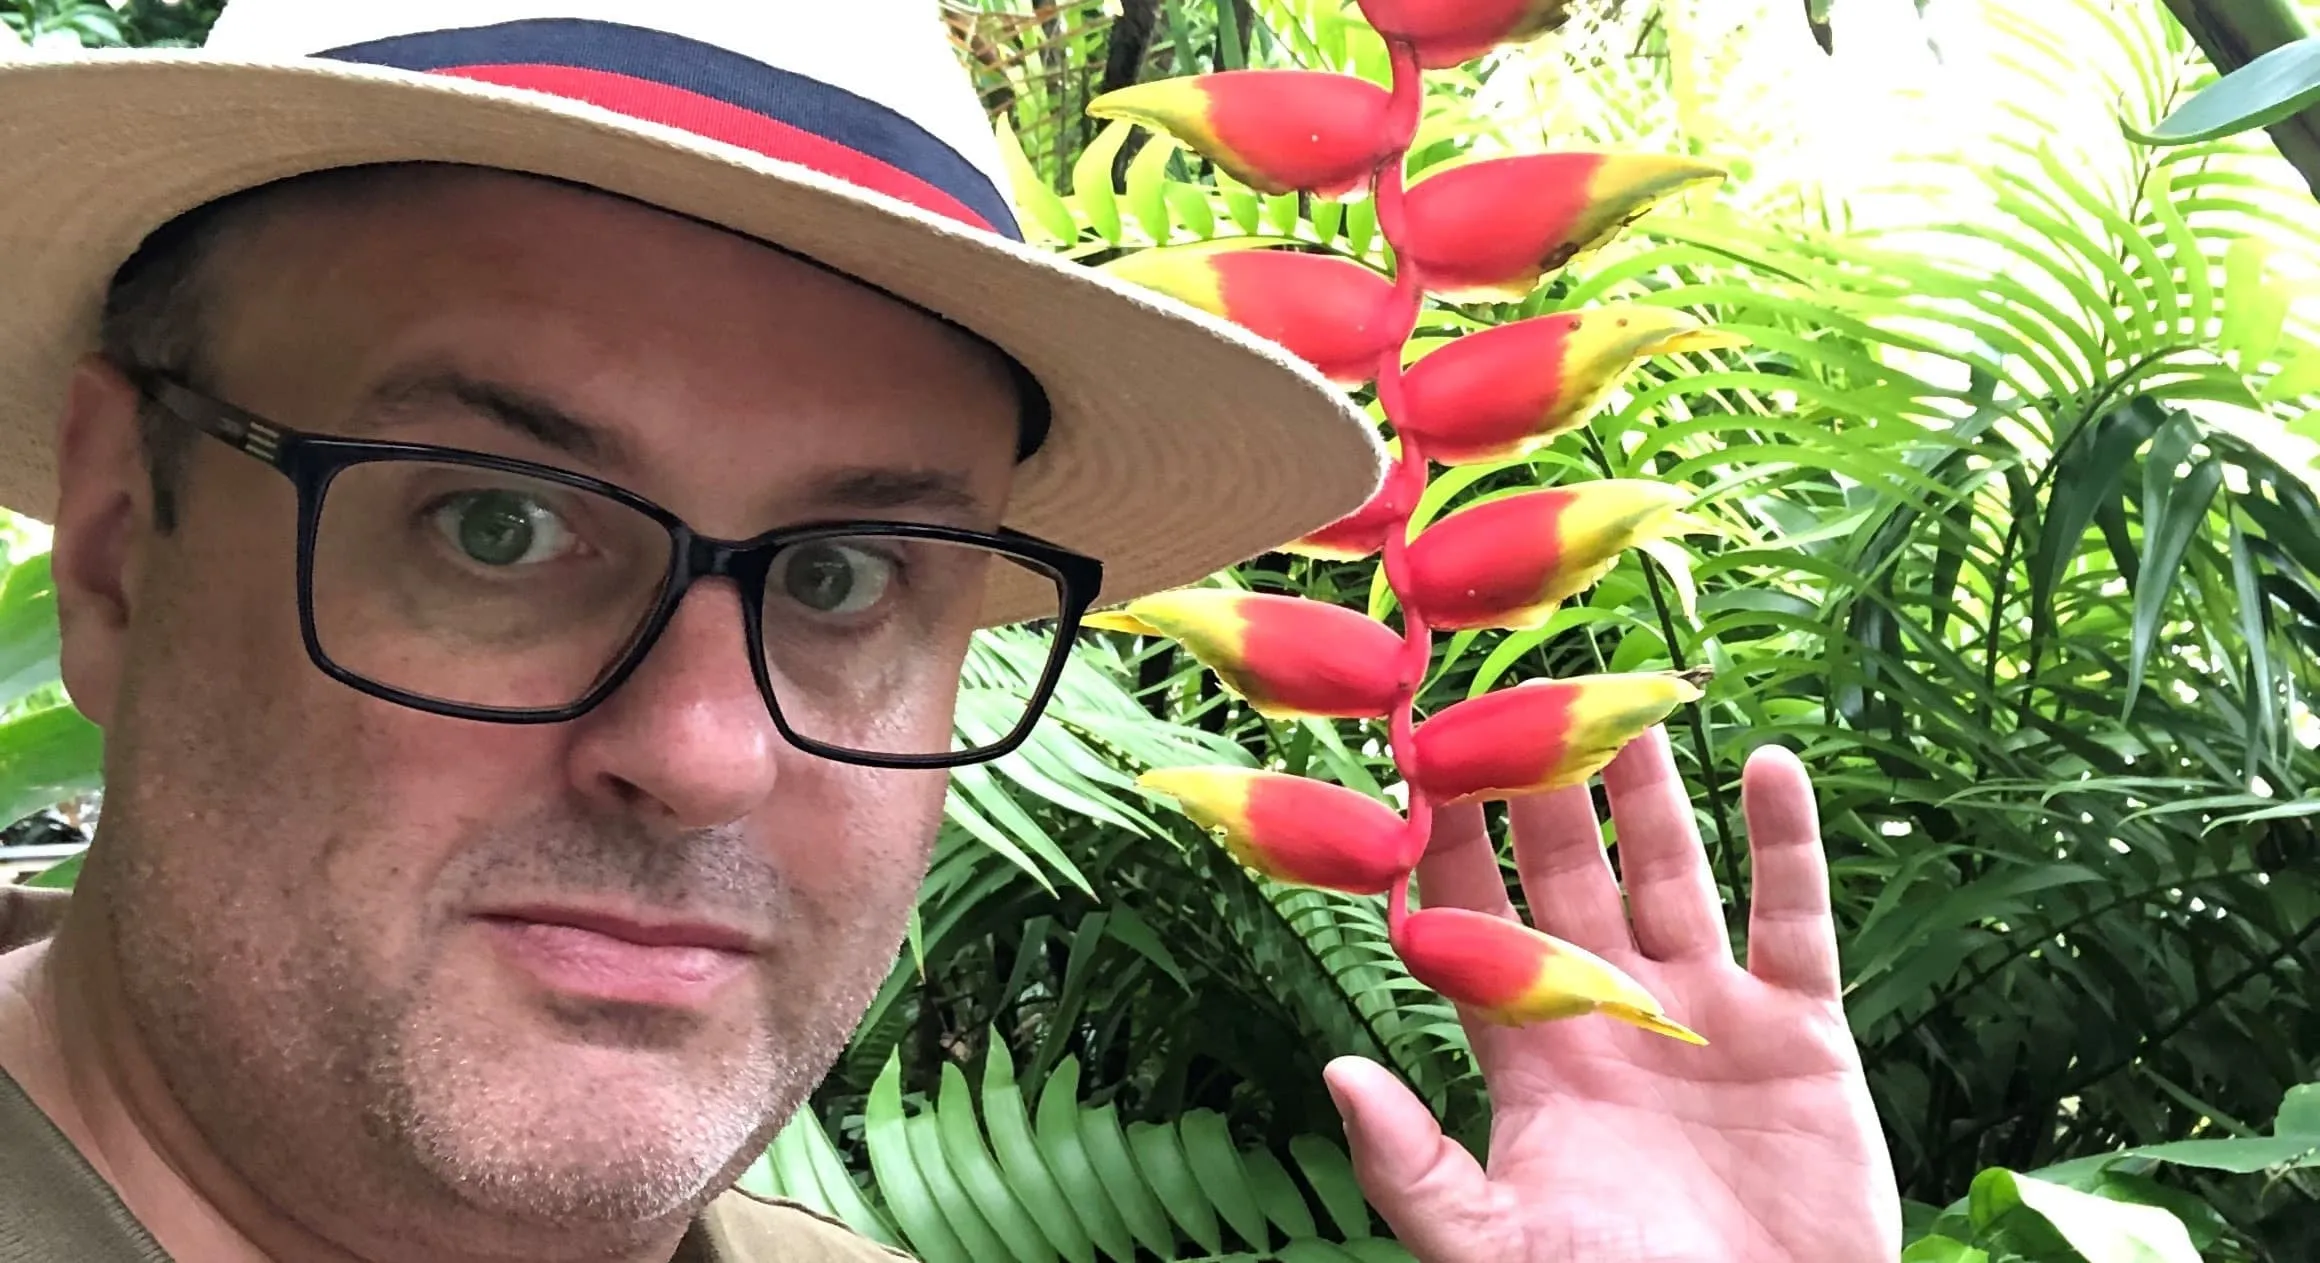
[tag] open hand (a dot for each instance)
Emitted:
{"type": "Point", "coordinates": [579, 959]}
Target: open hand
{"type": "Point", "coordinates": [1609, 1144]}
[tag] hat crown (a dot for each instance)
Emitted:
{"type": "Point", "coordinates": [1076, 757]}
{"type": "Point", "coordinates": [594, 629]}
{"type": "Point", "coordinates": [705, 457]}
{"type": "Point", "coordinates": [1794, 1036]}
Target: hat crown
{"type": "Point", "coordinates": [894, 54]}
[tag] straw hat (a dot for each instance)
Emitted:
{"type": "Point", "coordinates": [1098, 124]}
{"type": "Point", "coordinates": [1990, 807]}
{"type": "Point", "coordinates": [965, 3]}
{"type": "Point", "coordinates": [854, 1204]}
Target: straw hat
{"type": "Point", "coordinates": [843, 130]}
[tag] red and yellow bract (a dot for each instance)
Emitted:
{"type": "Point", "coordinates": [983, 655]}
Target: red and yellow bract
{"type": "Point", "coordinates": [1510, 974]}
{"type": "Point", "coordinates": [1277, 131]}
{"type": "Point", "coordinates": [1506, 392]}
{"type": "Point", "coordinates": [1288, 656]}
{"type": "Point", "coordinates": [1509, 562]}
{"type": "Point", "coordinates": [1539, 735]}
{"type": "Point", "coordinates": [1489, 230]}
{"type": "Point", "coordinates": [1333, 313]}
{"type": "Point", "coordinates": [1448, 33]}
{"type": "Point", "coordinates": [1292, 828]}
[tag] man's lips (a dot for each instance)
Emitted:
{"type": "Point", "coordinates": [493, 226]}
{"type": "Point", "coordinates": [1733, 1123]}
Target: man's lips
{"type": "Point", "coordinates": [591, 954]}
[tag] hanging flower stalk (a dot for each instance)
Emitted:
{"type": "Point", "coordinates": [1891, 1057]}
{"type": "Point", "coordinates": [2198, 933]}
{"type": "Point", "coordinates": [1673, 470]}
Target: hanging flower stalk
{"type": "Point", "coordinates": [1485, 229]}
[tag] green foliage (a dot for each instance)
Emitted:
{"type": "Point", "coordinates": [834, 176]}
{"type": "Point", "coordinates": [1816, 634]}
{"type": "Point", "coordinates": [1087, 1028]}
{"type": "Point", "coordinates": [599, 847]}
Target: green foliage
{"type": "Point", "coordinates": [2281, 83]}
{"type": "Point", "coordinates": [988, 1173]}
{"type": "Point", "coordinates": [2108, 1206]}
{"type": "Point", "coordinates": [96, 24]}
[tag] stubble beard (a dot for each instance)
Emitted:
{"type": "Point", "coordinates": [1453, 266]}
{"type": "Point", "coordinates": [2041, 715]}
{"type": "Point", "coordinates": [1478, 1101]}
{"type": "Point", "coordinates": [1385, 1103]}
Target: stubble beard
{"type": "Point", "coordinates": [316, 1044]}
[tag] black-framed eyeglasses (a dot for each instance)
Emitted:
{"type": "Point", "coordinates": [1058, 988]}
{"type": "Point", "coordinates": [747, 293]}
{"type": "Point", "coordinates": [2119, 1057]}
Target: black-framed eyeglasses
{"type": "Point", "coordinates": [484, 587]}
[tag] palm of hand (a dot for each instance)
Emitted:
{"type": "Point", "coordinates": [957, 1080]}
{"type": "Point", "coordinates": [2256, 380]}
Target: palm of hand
{"type": "Point", "coordinates": [1612, 1145]}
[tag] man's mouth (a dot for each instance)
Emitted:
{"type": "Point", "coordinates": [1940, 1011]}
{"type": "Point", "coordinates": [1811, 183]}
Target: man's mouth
{"type": "Point", "coordinates": [596, 955]}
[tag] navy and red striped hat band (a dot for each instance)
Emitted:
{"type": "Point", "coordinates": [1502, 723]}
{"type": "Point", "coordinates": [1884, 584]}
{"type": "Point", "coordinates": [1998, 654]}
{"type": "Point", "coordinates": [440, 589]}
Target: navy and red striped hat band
{"type": "Point", "coordinates": [712, 92]}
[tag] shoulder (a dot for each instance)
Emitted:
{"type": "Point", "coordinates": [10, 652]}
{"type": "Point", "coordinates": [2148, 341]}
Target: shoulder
{"type": "Point", "coordinates": [746, 1228]}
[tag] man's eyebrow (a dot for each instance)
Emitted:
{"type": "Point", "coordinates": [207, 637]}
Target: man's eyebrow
{"type": "Point", "coordinates": [523, 411]}
{"type": "Point", "coordinates": [878, 489]}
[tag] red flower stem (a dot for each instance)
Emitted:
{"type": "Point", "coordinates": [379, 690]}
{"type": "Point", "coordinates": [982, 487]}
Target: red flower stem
{"type": "Point", "coordinates": [1409, 473]}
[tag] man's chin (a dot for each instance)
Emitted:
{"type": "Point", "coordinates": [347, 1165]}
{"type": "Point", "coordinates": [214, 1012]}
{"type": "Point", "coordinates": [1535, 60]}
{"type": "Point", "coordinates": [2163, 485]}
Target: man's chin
{"type": "Point", "coordinates": [597, 1128]}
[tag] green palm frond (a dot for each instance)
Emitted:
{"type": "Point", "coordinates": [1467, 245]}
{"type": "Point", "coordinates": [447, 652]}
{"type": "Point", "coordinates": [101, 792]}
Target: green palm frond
{"type": "Point", "coordinates": [984, 1174]}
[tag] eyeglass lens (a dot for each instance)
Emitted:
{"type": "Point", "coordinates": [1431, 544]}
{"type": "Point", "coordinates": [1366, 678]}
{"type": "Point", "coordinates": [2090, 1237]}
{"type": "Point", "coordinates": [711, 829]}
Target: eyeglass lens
{"type": "Point", "coordinates": [495, 590]}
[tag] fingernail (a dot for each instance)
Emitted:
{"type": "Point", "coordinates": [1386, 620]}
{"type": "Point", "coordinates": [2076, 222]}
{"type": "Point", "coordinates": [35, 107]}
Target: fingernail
{"type": "Point", "coordinates": [1338, 1096]}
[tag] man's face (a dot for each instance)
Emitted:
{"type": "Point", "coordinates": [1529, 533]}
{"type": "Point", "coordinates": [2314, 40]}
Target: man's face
{"type": "Point", "coordinates": [346, 928]}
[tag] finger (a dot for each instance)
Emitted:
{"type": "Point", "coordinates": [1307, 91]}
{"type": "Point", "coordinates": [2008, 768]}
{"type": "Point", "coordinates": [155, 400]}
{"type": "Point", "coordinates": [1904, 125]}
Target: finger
{"type": "Point", "coordinates": [1792, 937]}
{"type": "Point", "coordinates": [1566, 875]}
{"type": "Point", "coordinates": [1460, 867]}
{"type": "Point", "coordinates": [1670, 897]}
{"type": "Point", "coordinates": [1432, 1192]}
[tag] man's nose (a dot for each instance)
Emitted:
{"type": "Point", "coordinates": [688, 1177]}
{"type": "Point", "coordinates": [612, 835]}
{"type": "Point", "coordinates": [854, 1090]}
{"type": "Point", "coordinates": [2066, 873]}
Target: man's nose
{"type": "Point", "coordinates": [688, 734]}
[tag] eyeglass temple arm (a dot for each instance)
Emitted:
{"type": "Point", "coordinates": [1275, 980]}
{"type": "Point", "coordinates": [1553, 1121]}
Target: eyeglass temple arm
{"type": "Point", "coordinates": [215, 417]}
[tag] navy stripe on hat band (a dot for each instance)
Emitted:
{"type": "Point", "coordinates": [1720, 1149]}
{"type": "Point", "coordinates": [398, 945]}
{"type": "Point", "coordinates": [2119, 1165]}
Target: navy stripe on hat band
{"type": "Point", "coordinates": [836, 115]}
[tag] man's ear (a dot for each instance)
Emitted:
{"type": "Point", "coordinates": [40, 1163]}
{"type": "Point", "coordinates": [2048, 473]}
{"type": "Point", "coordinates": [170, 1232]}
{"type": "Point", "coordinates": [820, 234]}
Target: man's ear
{"type": "Point", "coordinates": [104, 519]}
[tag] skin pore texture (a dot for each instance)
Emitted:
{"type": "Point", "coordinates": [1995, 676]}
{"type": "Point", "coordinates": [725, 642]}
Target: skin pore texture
{"type": "Point", "coordinates": [277, 1016]}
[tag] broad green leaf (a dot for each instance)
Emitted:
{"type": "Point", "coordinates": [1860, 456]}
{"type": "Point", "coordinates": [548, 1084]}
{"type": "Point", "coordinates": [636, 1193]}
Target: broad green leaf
{"type": "Point", "coordinates": [1068, 1160]}
{"type": "Point", "coordinates": [60, 875]}
{"type": "Point", "coordinates": [1189, 202]}
{"type": "Point", "coordinates": [2101, 1230]}
{"type": "Point", "coordinates": [28, 632]}
{"type": "Point", "coordinates": [1276, 1191]}
{"type": "Point", "coordinates": [1240, 204]}
{"type": "Point", "coordinates": [807, 1168]}
{"type": "Point", "coordinates": [2247, 587]}
{"type": "Point", "coordinates": [2200, 1219]}
{"type": "Point", "coordinates": [1229, 53]}
{"type": "Point", "coordinates": [2087, 475]}
{"type": "Point", "coordinates": [2272, 87]}
{"type": "Point", "coordinates": [1281, 214]}
{"type": "Point", "coordinates": [1330, 1173]}
{"type": "Point", "coordinates": [1943, 1250]}
{"type": "Point", "coordinates": [46, 757]}
{"type": "Point", "coordinates": [1046, 209]}
{"type": "Point", "coordinates": [923, 1134]}
{"type": "Point", "coordinates": [1328, 217]}
{"type": "Point", "coordinates": [1161, 1158]}
{"type": "Point", "coordinates": [1107, 1152]}
{"type": "Point", "coordinates": [2168, 536]}
{"type": "Point", "coordinates": [1091, 180]}
{"type": "Point", "coordinates": [1216, 1165]}
{"type": "Point", "coordinates": [885, 1136]}
{"type": "Point", "coordinates": [2299, 1112]}
{"type": "Point", "coordinates": [1360, 226]}
{"type": "Point", "coordinates": [1148, 186]}
{"type": "Point", "coordinates": [2243, 1155]}
{"type": "Point", "coordinates": [978, 1175]}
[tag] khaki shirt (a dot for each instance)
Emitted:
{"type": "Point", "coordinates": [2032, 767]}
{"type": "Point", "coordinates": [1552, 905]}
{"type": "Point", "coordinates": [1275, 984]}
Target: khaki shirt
{"type": "Point", "coordinates": [54, 1206]}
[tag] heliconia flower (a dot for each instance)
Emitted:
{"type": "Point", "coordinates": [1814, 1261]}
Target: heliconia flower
{"type": "Point", "coordinates": [1277, 131]}
{"type": "Point", "coordinates": [1490, 229]}
{"type": "Point", "coordinates": [1507, 391]}
{"type": "Point", "coordinates": [1358, 534]}
{"type": "Point", "coordinates": [1453, 32]}
{"type": "Point", "coordinates": [1512, 975]}
{"type": "Point", "coordinates": [1292, 828]}
{"type": "Point", "coordinates": [1539, 735]}
{"type": "Point", "coordinates": [1509, 562]}
{"type": "Point", "coordinates": [1331, 312]}
{"type": "Point", "coordinates": [1288, 656]}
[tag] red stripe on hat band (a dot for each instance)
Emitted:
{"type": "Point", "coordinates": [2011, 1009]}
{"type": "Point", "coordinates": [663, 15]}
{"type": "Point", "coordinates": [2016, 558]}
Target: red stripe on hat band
{"type": "Point", "coordinates": [717, 120]}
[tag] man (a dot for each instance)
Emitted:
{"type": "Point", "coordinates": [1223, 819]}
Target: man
{"type": "Point", "coordinates": [524, 482]}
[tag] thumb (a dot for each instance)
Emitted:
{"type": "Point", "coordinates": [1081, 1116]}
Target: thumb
{"type": "Point", "coordinates": [1433, 1194]}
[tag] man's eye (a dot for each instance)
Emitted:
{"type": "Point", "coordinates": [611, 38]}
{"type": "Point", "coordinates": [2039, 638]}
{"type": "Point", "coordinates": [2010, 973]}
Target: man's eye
{"type": "Point", "coordinates": [502, 528]}
{"type": "Point", "coordinates": [833, 578]}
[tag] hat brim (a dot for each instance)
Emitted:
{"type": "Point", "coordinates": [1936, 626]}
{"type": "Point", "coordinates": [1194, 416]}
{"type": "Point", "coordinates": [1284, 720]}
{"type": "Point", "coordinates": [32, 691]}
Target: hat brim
{"type": "Point", "coordinates": [1181, 444]}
